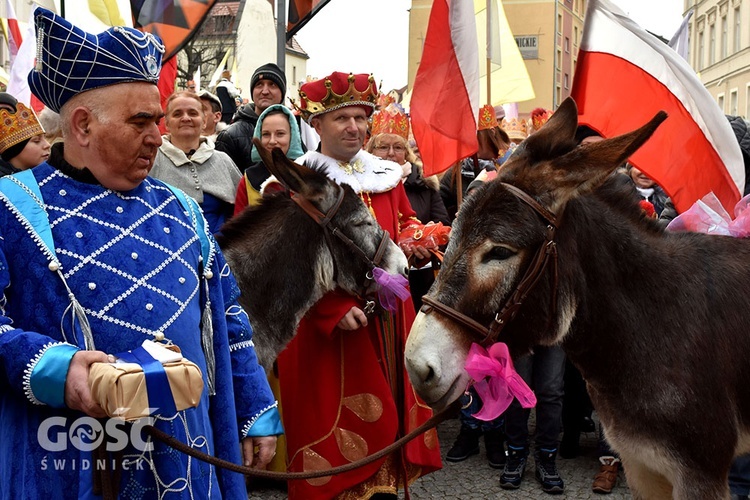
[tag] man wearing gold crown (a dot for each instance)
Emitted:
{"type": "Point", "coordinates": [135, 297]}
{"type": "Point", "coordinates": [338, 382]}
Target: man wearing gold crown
{"type": "Point", "coordinates": [344, 390]}
{"type": "Point", "coordinates": [98, 260]}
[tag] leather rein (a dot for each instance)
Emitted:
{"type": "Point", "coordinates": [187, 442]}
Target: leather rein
{"type": "Point", "coordinates": [546, 253]}
{"type": "Point", "coordinates": [324, 220]}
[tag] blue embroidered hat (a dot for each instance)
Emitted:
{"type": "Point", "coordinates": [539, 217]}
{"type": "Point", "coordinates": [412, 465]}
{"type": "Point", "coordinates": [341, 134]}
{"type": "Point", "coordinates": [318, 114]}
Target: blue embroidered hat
{"type": "Point", "coordinates": [70, 61]}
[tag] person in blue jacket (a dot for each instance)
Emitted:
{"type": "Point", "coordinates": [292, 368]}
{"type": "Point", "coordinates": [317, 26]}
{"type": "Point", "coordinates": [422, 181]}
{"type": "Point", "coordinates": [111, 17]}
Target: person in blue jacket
{"type": "Point", "coordinates": [96, 258]}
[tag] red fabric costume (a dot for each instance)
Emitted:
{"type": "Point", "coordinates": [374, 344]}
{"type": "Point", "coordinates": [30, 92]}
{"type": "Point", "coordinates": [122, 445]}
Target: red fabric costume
{"type": "Point", "coordinates": [338, 387]}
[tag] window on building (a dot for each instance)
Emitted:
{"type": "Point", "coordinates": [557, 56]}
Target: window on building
{"type": "Point", "coordinates": [720, 100]}
{"type": "Point", "coordinates": [567, 45]}
{"type": "Point", "coordinates": [559, 24]}
{"type": "Point", "coordinates": [701, 50]}
{"type": "Point", "coordinates": [712, 44]}
{"type": "Point", "coordinates": [724, 37]}
{"type": "Point", "coordinates": [566, 82]}
{"type": "Point", "coordinates": [733, 104]}
{"type": "Point", "coordinates": [558, 95]}
{"type": "Point", "coordinates": [294, 74]}
{"type": "Point", "coordinates": [737, 30]}
{"type": "Point", "coordinates": [559, 59]}
{"type": "Point", "coordinates": [223, 24]}
{"type": "Point", "coordinates": [575, 36]}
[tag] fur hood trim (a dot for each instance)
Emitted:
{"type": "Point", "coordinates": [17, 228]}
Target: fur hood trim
{"type": "Point", "coordinates": [365, 173]}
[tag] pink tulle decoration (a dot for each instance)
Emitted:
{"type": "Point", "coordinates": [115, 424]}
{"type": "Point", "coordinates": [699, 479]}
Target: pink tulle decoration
{"type": "Point", "coordinates": [707, 215]}
{"type": "Point", "coordinates": [390, 288]}
{"type": "Point", "coordinates": [496, 381]}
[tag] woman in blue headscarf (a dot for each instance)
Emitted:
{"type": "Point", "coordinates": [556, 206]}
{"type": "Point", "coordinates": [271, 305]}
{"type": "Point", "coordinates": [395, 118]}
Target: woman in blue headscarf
{"type": "Point", "coordinates": [277, 128]}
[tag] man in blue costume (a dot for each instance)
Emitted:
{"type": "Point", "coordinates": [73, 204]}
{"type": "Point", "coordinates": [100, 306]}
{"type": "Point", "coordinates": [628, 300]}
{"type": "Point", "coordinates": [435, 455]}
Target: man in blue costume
{"type": "Point", "coordinates": [95, 258]}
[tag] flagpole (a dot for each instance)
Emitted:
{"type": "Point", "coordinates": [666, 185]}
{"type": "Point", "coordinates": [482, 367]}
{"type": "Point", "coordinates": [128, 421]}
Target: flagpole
{"type": "Point", "coordinates": [488, 54]}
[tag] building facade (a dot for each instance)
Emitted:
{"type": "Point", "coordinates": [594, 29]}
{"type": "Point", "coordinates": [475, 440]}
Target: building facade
{"type": "Point", "coordinates": [248, 30]}
{"type": "Point", "coordinates": [719, 51]}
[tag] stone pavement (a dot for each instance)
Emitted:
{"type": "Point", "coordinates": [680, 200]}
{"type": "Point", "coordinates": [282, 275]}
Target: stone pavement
{"type": "Point", "coordinates": [473, 479]}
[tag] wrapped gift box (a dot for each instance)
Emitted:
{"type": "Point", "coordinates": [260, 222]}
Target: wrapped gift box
{"type": "Point", "coordinates": [121, 387]}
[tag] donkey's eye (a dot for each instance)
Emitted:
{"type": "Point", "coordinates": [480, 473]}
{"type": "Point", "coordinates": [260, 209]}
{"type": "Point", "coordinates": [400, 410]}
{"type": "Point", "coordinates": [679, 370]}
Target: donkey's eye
{"type": "Point", "coordinates": [363, 223]}
{"type": "Point", "coordinates": [499, 253]}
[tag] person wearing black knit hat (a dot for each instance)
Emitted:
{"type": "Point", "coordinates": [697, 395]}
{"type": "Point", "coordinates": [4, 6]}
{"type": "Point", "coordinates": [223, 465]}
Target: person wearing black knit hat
{"type": "Point", "coordinates": [267, 87]}
{"type": "Point", "coordinates": [273, 76]}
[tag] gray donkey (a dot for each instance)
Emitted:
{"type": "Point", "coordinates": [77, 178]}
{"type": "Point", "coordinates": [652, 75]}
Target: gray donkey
{"type": "Point", "coordinates": [657, 323]}
{"type": "Point", "coordinates": [285, 260]}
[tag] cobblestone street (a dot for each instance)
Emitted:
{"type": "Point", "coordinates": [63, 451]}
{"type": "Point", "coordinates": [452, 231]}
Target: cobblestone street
{"type": "Point", "coordinates": [473, 479]}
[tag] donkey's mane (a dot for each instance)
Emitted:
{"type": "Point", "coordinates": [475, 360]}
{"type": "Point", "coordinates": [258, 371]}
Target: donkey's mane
{"type": "Point", "coordinates": [620, 194]}
{"type": "Point", "coordinates": [245, 222]}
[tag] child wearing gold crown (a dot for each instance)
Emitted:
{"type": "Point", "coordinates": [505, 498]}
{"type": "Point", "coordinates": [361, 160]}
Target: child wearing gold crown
{"type": "Point", "coordinates": [22, 142]}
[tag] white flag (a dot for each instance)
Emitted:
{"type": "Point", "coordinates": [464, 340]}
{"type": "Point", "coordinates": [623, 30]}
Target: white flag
{"type": "Point", "coordinates": [679, 41]}
{"type": "Point", "coordinates": [23, 64]}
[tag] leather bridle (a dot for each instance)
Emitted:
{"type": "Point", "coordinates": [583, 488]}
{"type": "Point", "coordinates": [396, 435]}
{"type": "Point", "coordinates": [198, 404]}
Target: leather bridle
{"type": "Point", "coordinates": [329, 229]}
{"type": "Point", "coordinates": [546, 252]}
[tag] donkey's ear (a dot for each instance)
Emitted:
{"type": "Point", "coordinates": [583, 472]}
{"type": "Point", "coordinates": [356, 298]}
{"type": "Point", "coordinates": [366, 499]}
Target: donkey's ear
{"type": "Point", "coordinates": [294, 176]}
{"type": "Point", "coordinates": [557, 136]}
{"type": "Point", "coordinates": [551, 167]}
{"type": "Point", "coordinates": [588, 166]}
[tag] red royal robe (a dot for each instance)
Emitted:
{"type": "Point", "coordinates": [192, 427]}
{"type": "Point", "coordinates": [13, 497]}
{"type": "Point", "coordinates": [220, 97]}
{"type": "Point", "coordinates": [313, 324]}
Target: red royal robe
{"type": "Point", "coordinates": [338, 402]}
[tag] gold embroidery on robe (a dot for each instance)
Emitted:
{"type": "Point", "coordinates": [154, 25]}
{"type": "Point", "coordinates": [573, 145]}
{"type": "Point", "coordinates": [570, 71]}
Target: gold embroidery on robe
{"type": "Point", "coordinates": [313, 461]}
{"type": "Point", "coordinates": [355, 166]}
{"type": "Point", "coordinates": [351, 445]}
{"type": "Point", "coordinates": [366, 406]}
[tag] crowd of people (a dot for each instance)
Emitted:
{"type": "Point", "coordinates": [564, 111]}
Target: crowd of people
{"type": "Point", "coordinates": [107, 244]}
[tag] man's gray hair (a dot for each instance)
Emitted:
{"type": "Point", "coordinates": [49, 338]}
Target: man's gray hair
{"type": "Point", "coordinates": [94, 100]}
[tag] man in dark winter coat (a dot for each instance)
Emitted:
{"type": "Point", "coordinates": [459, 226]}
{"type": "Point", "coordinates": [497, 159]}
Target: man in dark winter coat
{"type": "Point", "coordinates": [741, 129]}
{"type": "Point", "coordinates": [268, 86]}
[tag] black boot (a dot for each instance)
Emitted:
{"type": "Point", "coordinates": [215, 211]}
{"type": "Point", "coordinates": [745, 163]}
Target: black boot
{"type": "Point", "coordinates": [494, 444]}
{"type": "Point", "coordinates": [515, 466]}
{"type": "Point", "coordinates": [467, 444]}
{"type": "Point", "coordinates": [546, 471]}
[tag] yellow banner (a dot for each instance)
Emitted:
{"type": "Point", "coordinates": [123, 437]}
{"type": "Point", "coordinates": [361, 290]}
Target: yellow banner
{"type": "Point", "coordinates": [509, 79]}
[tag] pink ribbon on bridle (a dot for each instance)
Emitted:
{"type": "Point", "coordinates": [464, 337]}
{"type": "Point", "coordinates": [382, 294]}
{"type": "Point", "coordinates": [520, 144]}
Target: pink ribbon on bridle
{"type": "Point", "coordinates": [390, 288]}
{"type": "Point", "coordinates": [496, 381]}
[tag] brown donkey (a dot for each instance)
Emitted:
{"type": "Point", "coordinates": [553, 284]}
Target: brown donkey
{"type": "Point", "coordinates": [657, 323]}
{"type": "Point", "coordinates": [285, 260]}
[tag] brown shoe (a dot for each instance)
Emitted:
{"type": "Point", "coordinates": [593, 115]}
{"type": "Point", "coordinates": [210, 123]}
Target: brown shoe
{"type": "Point", "coordinates": [606, 479]}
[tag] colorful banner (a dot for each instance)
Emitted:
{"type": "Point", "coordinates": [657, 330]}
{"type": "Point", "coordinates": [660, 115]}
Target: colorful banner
{"type": "Point", "coordinates": [174, 21]}
{"type": "Point", "coordinates": [300, 12]}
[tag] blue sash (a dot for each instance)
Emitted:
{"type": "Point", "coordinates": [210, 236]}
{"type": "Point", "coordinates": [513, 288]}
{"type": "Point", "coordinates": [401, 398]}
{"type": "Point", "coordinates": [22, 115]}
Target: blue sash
{"type": "Point", "coordinates": [157, 383]}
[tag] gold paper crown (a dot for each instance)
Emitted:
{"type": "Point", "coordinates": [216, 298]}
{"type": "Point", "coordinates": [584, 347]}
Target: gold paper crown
{"type": "Point", "coordinates": [487, 118]}
{"type": "Point", "coordinates": [384, 100]}
{"type": "Point", "coordinates": [515, 128]}
{"type": "Point", "coordinates": [17, 127]}
{"type": "Point", "coordinates": [333, 100]}
{"type": "Point", "coordinates": [539, 117]}
{"type": "Point", "coordinates": [391, 120]}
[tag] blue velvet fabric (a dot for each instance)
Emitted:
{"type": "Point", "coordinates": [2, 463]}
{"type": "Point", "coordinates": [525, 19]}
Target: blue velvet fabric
{"type": "Point", "coordinates": [73, 61]}
{"type": "Point", "coordinates": [131, 259]}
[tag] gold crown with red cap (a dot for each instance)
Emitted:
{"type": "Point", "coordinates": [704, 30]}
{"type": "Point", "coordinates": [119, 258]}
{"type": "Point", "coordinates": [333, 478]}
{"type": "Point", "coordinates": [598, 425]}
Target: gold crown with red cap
{"type": "Point", "coordinates": [18, 126]}
{"type": "Point", "coordinates": [337, 91]}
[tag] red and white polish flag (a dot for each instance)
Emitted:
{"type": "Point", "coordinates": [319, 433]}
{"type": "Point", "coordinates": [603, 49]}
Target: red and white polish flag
{"type": "Point", "coordinates": [14, 32]}
{"type": "Point", "coordinates": [624, 76]}
{"type": "Point", "coordinates": [445, 99]}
